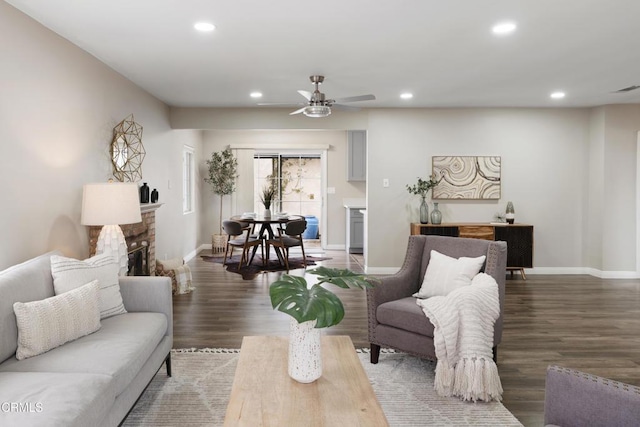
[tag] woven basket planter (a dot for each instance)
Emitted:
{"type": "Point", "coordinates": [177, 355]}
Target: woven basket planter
{"type": "Point", "coordinates": [218, 244]}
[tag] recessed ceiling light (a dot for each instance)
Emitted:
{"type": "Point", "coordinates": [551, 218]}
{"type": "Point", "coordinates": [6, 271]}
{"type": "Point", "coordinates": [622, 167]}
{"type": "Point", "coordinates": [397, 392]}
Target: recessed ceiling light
{"type": "Point", "coordinates": [558, 95]}
{"type": "Point", "coordinates": [406, 95]}
{"type": "Point", "coordinates": [504, 28]}
{"type": "Point", "coordinates": [204, 26]}
{"type": "Point", "coordinates": [256, 94]}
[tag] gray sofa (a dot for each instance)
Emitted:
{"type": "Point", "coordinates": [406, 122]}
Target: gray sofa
{"type": "Point", "coordinates": [94, 380]}
{"type": "Point", "coordinates": [575, 399]}
{"type": "Point", "coordinates": [396, 321]}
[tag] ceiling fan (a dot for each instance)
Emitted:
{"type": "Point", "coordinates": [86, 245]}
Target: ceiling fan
{"type": "Point", "coordinates": [319, 105]}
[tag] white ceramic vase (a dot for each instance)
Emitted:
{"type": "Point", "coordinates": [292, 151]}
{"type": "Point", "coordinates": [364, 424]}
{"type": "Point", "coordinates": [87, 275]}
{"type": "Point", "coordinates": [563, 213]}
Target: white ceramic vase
{"type": "Point", "coordinates": [305, 355]}
{"type": "Point", "coordinates": [267, 213]}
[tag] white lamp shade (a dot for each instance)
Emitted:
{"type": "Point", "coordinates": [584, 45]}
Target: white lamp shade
{"type": "Point", "coordinates": [110, 203]}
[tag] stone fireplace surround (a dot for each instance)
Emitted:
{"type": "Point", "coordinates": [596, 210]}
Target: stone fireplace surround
{"type": "Point", "coordinates": [135, 234]}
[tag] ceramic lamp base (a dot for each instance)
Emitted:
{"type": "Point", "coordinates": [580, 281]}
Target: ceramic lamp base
{"type": "Point", "coordinates": [111, 240]}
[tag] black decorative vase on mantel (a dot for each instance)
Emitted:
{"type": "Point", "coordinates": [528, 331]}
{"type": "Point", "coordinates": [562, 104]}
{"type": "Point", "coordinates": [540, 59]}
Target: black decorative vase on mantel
{"type": "Point", "coordinates": [154, 196]}
{"type": "Point", "coordinates": [144, 193]}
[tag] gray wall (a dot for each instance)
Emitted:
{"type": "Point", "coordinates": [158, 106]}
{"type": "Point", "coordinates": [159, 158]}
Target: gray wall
{"type": "Point", "coordinates": [57, 112]}
{"type": "Point", "coordinates": [543, 155]}
{"type": "Point", "coordinates": [569, 171]}
{"type": "Point", "coordinates": [336, 165]}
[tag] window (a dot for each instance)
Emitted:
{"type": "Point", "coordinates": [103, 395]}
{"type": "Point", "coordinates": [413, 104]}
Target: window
{"type": "Point", "coordinates": [297, 179]}
{"type": "Point", "coordinates": [188, 180]}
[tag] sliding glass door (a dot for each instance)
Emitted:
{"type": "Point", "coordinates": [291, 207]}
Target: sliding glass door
{"type": "Point", "coordinates": [297, 180]}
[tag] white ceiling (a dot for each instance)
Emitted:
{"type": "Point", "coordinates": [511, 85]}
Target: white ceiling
{"type": "Point", "coordinates": [443, 51]}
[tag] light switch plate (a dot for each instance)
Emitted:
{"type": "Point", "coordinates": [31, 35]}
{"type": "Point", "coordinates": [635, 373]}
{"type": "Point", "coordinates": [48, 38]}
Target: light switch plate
{"type": "Point", "coordinates": [385, 182]}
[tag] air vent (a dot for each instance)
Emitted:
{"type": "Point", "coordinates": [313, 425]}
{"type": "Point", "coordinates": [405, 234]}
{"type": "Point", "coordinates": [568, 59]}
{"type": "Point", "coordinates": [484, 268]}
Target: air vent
{"type": "Point", "coordinates": [628, 89]}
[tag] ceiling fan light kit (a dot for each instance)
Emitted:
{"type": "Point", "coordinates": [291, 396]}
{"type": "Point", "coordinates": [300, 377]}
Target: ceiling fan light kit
{"type": "Point", "coordinates": [319, 105]}
{"type": "Point", "coordinates": [316, 111]}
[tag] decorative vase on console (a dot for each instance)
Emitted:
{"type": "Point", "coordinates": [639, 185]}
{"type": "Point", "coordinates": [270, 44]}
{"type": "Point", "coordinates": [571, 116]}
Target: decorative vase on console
{"type": "Point", "coordinates": [436, 215]}
{"type": "Point", "coordinates": [154, 196]}
{"type": "Point", "coordinates": [424, 212]}
{"type": "Point", "coordinates": [421, 188]}
{"type": "Point", "coordinates": [510, 213]}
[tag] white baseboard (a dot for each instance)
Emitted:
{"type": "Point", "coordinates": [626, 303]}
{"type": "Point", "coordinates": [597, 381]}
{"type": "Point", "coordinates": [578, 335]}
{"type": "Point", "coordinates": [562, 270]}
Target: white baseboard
{"type": "Point", "coordinates": [336, 247]}
{"type": "Point", "coordinates": [191, 255]}
{"type": "Point", "coordinates": [555, 270]}
{"type": "Point", "coordinates": [583, 270]}
{"type": "Point", "coordinates": [613, 274]}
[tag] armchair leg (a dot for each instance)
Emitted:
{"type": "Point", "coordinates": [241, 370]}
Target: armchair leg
{"type": "Point", "coordinates": [375, 353]}
{"type": "Point", "coordinates": [167, 362]}
{"type": "Point", "coordinates": [495, 354]}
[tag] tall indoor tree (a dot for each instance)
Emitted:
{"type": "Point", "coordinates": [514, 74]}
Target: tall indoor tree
{"type": "Point", "coordinates": [223, 171]}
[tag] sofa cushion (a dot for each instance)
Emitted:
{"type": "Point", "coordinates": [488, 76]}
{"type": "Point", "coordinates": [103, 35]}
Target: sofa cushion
{"type": "Point", "coordinates": [119, 349]}
{"type": "Point", "coordinates": [54, 399]}
{"type": "Point", "coordinates": [69, 273]}
{"type": "Point", "coordinates": [445, 274]}
{"type": "Point", "coordinates": [51, 322]}
{"type": "Point", "coordinates": [29, 281]}
{"type": "Point", "coordinates": [405, 314]}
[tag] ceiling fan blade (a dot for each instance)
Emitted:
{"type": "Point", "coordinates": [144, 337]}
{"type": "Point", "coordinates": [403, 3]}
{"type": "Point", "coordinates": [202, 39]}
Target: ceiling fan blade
{"type": "Point", "coordinates": [345, 107]}
{"type": "Point", "coordinates": [306, 94]}
{"type": "Point", "coordinates": [281, 104]}
{"type": "Point", "coordinates": [297, 111]}
{"type": "Point", "coordinates": [357, 98]}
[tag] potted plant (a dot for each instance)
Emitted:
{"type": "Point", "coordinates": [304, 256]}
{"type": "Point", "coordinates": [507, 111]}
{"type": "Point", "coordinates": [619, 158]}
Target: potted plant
{"type": "Point", "coordinates": [267, 196]}
{"type": "Point", "coordinates": [421, 188]}
{"type": "Point", "coordinates": [312, 308]}
{"type": "Point", "coordinates": [223, 171]}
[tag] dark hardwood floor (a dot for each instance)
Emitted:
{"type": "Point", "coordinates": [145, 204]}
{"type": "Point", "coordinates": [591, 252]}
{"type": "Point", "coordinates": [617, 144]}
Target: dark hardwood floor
{"type": "Point", "coordinates": [580, 322]}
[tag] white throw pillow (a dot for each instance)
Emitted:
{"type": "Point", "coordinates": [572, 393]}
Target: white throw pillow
{"type": "Point", "coordinates": [51, 322]}
{"type": "Point", "coordinates": [444, 274]}
{"type": "Point", "coordinates": [69, 273]}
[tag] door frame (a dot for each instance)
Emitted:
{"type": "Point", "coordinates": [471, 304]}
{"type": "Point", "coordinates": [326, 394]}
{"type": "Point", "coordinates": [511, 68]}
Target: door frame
{"type": "Point", "coordinates": [322, 152]}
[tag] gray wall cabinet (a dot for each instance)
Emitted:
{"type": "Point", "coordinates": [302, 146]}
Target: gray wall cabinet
{"type": "Point", "coordinates": [357, 155]}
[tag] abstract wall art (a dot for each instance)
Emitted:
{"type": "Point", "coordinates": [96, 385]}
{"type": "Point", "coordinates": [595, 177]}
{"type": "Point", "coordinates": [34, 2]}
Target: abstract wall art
{"type": "Point", "coordinates": [467, 177]}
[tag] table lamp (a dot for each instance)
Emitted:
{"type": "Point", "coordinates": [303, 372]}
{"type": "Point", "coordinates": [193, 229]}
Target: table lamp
{"type": "Point", "coordinates": [110, 204]}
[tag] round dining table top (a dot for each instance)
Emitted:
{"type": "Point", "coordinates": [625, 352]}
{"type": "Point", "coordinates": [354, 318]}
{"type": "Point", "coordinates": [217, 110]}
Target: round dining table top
{"type": "Point", "coordinates": [265, 228]}
{"type": "Point", "coordinates": [260, 219]}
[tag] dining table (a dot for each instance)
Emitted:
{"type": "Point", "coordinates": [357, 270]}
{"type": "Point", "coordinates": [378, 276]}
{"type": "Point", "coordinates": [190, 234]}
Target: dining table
{"type": "Point", "coordinates": [266, 230]}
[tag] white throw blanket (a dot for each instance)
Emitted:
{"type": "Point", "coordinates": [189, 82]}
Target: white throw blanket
{"type": "Point", "coordinates": [463, 337]}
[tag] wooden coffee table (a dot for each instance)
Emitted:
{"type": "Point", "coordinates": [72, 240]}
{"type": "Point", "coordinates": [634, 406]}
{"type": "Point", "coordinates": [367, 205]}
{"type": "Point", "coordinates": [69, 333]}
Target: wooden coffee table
{"type": "Point", "coordinates": [263, 394]}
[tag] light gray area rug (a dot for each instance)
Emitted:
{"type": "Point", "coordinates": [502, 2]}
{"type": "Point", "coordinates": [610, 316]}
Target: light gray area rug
{"type": "Point", "coordinates": [198, 393]}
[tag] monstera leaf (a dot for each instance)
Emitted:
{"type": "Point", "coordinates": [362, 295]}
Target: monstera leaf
{"type": "Point", "coordinates": [293, 296]}
{"type": "Point", "coordinates": [343, 278]}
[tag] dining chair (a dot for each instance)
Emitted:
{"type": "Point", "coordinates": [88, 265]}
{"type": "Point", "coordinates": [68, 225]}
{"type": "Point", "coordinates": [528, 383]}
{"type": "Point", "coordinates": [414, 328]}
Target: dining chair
{"type": "Point", "coordinates": [287, 238]}
{"type": "Point", "coordinates": [240, 237]}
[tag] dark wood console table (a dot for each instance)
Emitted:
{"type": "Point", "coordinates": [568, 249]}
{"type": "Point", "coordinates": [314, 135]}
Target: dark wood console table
{"type": "Point", "coordinates": [519, 238]}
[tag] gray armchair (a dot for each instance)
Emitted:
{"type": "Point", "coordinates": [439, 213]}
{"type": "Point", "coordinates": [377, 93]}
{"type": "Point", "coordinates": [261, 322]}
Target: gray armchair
{"type": "Point", "coordinates": [573, 398]}
{"type": "Point", "coordinates": [396, 321]}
